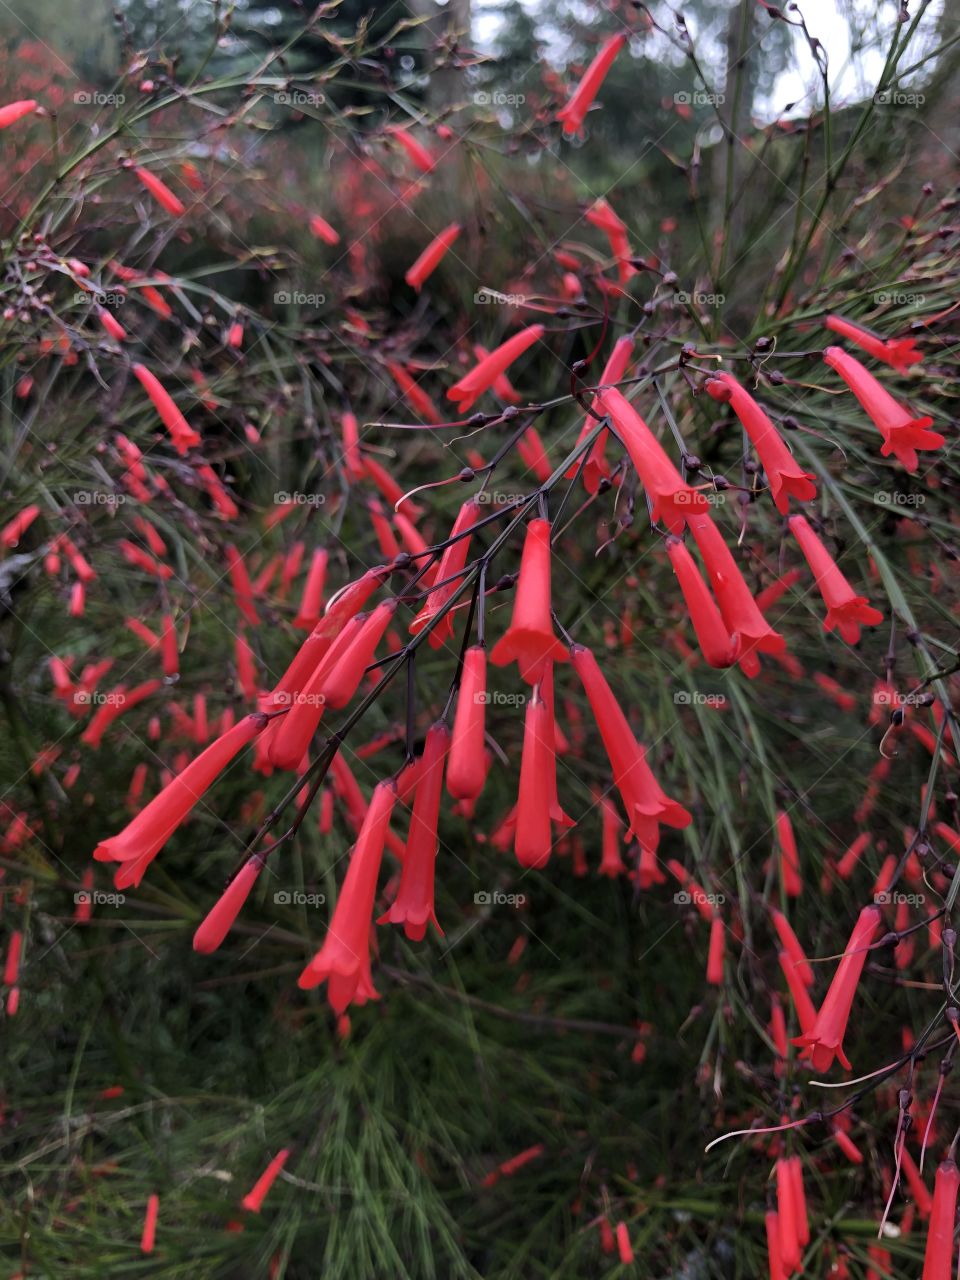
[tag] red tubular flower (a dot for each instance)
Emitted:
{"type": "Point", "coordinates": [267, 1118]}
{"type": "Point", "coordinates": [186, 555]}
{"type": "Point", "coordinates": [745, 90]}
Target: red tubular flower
{"type": "Point", "coordinates": [482, 376]}
{"type": "Point", "coordinates": [183, 435]}
{"type": "Point", "coordinates": [596, 468]}
{"type": "Point", "coordinates": [715, 953]}
{"type": "Point", "coordinates": [343, 961]}
{"type": "Point", "coordinates": [671, 498]}
{"type": "Point", "coordinates": [304, 695]}
{"type": "Point", "coordinates": [644, 800]}
{"type": "Point", "coordinates": [719, 648]}
{"type": "Point", "coordinates": [503, 388]}
{"type": "Point", "coordinates": [413, 905]}
{"type": "Point", "coordinates": [902, 434]}
{"type": "Point", "coordinates": [452, 561]}
{"type": "Point", "coordinates": [386, 538]}
{"type": "Point", "coordinates": [786, 477]}
{"type": "Point", "coordinates": [322, 229]}
{"type": "Point", "coordinates": [170, 655]}
{"type": "Point", "coordinates": [467, 768]}
{"type": "Point", "coordinates": [938, 1258]}
{"type": "Point", "coordinates": [309, 613]}
{"type": "Point", "coordinates": [739, 610]}
{"type": "Point", "coordinates": [806, 1013]}
{"type": "Point", "coordinates": [772, 1225]}
{"type": "Point", "coordinates": [431, 257]}
{"type": "Point", "coordinates": [246, 667]}
{"type": "Point", "coordinates": [601, 215]}
{"type": "Point", "coordinates": [624, 1247]}
{"type": "Point", "coordinates": [140, 559]}
{"type": "Point", "coordinates": [116, 704]}
{"type": "Point", "coordinates": [220, 918]}
{"type": "Point", "coordinates": [343, 680]}
{"type": "Point", "coordinates": [234, 338]}
{"type": "Point", "coordinates": [572, 114]}
{"type": "Point", "coordinates": [253, 1200]}
{"type": "Point", "coordinates": [529, 640]}
{"type": "Point", "coordinates": [847, 864]}
{"type": "Point", "coordinates": [791, 944]}
{"type": "Point", "coordinates": [846, 611]}
{"type": "Point", "coordinates": [15, 111]}
{"type": "Point", "coordinates": [242, 587]}
{"type": "Point", "coordinates": [142, 839]}
{"type": "Point", "coordinates": [14, 530]}
{"type": "Point", "coordinates": [789, 859]}
{"type": "Point", "coordinates": [11, 968]}
{"type": "Point", "coordinates": [901, 353]}
{"type": "Point", "coordinates": [611, 863]}
{"type": "Point", "coordinates": [533, 837]}
{"type": "Point", "coordinates": [825, 1041]}
{"type": "Point", "coordinates": [353, 460]}
{"type": "Point", "coordinates": [795, 1168]}
{"type": "Point", "coordinates": [161, 192]}
{"type": "Point", "coordinates": [415, 396]}
{"type": "Point", "coordinates": [149, 1234]}
{"type": "Point", "coordinates": [787, 1218]}
{"type": "Point", "coordinates": [421, 158]}
{"type": "Point", "coordinates": [918, 1188]}
{"type": "Point", "coordinates": [533, 455]}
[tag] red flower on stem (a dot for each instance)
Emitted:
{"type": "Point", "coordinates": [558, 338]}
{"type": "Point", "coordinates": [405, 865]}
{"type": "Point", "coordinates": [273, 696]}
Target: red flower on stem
{"type": "Point", "coordinates": [183, 435]}
{"type": "Point", "coordinates": [431, 257]}
{"type": "Point", "coordinates": [452, 562]}
{"type": "Point", "coordinates": [672, 499]}
{"type": "Point", "coordinates": [938, 1258]}
{"type": "Point", "coordinates": [596, 468]}
{"type": "Point", "coordinates": [902, 434]}
{"type": "Point", "coordinates": [901, 353]}
{"type": "Point", "coordinates": [573, 113]}
{"type": "Point", "coordinates": [786, 477]}
{"type": "Point", "coordinates": [343, 962]}
{"type": "Point", "coordinates": [719, 648]}
{"type": "Point", "coordinates": [482, 376]}
{"type": "Point", "coordinates": [467, 768]}
{"type": "Point", "coordinates": [413, 905]}
{"type": "Point", "coordinates": [825, 1041]}
{"type": "Point", "coordinates": [530, 640]}
{"type": "Point", "coordinates": [846, 611]}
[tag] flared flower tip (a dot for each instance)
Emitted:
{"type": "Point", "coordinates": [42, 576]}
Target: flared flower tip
{"type": "Point", "coordinates": [220, 919]}
{"type": "Point", "coordinates": [850, 617]}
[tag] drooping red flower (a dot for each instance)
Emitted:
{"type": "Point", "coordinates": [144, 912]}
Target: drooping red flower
{"type": "Point", "coordinates": [786, 477]}
{"type": "Point", "coordinates": [482, 376]}
{"type": "Point", "coordinates": [343, 962]}
{"type": "Point", "coordinates": [533, 455]}
{"type": "Point", "coordinates": [572, 114]}
{"type": "Point", "coordinates": [902, 434]}
{"type": "Point", "coordinates": [161, 192]}
{"type": "Point", "coordinates": [242, 586]}
{"type": "Point", "coordinates": [601, 215]}
{"type": "Point", "coordinates": [14, 529]}
{"type": "Point", "coordinates": [533, 835]}
{"type": "Point", "coordinates": [846, 611]}
{"type": "Point", "coordinates": [530, 640]}
{"type": "Point", "coordinates": [738, 608]}
{"type": "Point", "coordinates": [253, 1200]}
{"type": "Point", "coordinates": [645, 802]}
{"type": "Point", "coordinates": [719, 648]}
{"type": "Point", "coordinates": [422, 159]}
{"type": "Point", "coordinates": [322, 229]}
{"type": "Point", "coordinates": [344, 678]}
{"type": "Point", "coordinates": [413, 906]}
{"type": "Point", "coordinates": [430, 259]}
{"type": "Point", "coordinates": [353, 459]}
{"type": "Point", "coordinates": [149, 1234]}
{"type": "Point", "coordinates": [789, 858]}
{"type": "Point", "coordinates": [715, 952]}
{"type": "Point", "coordinates": [415, 396]}
{"type": "Point", "coordinates": [772, 1226]}
{"type": "Point", "coordinates": [672, 499]}
{"type": "Point", "coordinates": [938, 1257]}
{"type": "Point", "coordinates": [596, 467]}
{"type": "Point", "coordinates": [452, 561]}
{"type": "Point", "coordinates": [308, 614]}
{"type": "Point", "coordinates": [142, 839]}
{"type": "Point", "coordinates": [901, 353]}
{"type": "Point", "coordinates": [466, 767]}
{"type": "Point", "coordinates": [787, 1219]}
{"type": "Point", "coordinates": [825, 1041]}
{"type": "Point", "coordinates": [183, 435]}
{"type": "Point", "coordinates": [15, 111]}
{"type": "Point", "coordinates": [218, 921]}
{"type": "Point", "coordinates": [791, 944]}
